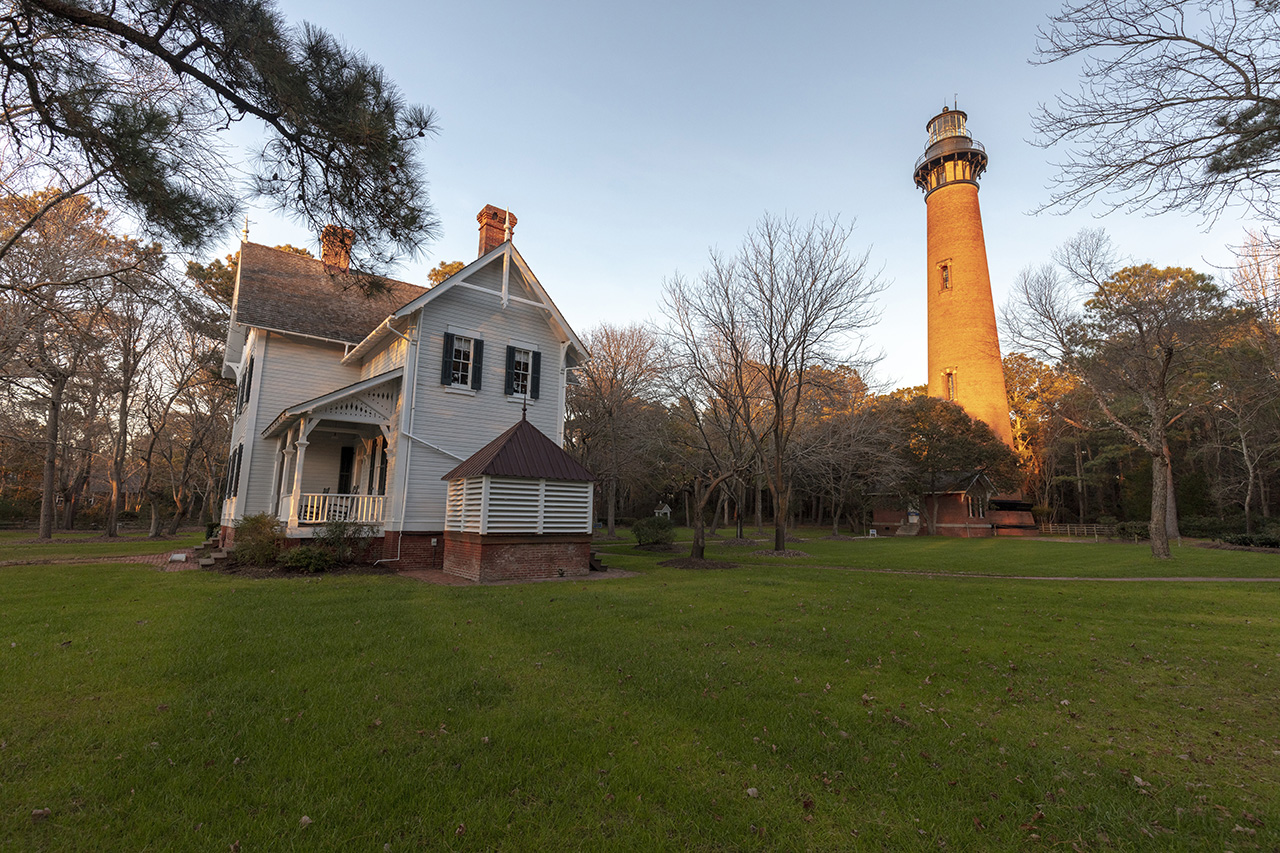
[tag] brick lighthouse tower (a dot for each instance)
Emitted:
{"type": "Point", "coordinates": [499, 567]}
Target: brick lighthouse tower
{"type": "Point", "coordinates": [964, 350]}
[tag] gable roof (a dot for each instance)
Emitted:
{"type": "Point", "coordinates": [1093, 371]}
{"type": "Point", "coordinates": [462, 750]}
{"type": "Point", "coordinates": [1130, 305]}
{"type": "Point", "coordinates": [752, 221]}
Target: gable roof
{"type": "Point", "coordinates": [285, 292]}
{"type": "Point", "coordinates": [501, 253]}
{"type": "Point", "coordinates": [289, 416]}
{"type": "Point", "coordinates": [521, 451]}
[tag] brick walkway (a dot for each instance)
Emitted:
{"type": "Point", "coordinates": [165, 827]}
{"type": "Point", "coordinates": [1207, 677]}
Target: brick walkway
{"type": "Point", "coordinates": [161, 561]}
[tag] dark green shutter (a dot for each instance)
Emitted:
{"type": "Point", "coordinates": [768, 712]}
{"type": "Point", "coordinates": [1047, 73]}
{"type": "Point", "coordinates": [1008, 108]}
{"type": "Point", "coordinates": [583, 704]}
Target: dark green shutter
{"type": "Point", "coordinates": [509, 387]}
{"type": "Point", "coordinates": [535, 371]}
{"type": "Point", "coordinates": [446, 368]}
{"type": "Point", "coordinates": [477, 363]}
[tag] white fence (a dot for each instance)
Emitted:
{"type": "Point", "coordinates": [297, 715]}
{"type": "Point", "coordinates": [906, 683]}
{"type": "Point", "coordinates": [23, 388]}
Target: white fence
{"type": "Point", "coordinates": [319, 509]}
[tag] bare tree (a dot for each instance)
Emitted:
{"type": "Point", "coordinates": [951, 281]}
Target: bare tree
{"type": "Point", "coordinates": [1255, 286]}
{"type": "Point", "coordinates": [1178, 108]}
{"type": "Point", "coordinates": [1132, 335]}
{"type": "Point", "coordinates": [791, 298]}
{"type": "Point", "coordinates": [605, 410]}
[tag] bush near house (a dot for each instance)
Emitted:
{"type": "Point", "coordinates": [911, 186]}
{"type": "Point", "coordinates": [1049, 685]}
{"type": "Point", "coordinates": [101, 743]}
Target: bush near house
{"type": "Point", "coordinates": [257, 540]}
{"type": "Point", "coordinates": [347, 541]}
{"type": "Point", "coordinates": [308, 558]}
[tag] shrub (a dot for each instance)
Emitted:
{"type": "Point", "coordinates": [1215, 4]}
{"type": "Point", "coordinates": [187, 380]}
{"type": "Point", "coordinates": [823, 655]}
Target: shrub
{"type": "Point", "coordinates": [1208, 526]}
{"type": "Point", "coordinates": [1256, 540]}
{"type": "Point", "coordinates": [654, 530]}
{"type": "Point", "coordinates": [1133, 530]}
{"type": "Point", "coordinates": [347, 541]}
{"type": "Point", "coordinates": [212, 529]}
{"type": "Point", "coordinates": [307, 558]}
{"type": "Point", "coordinates": [1107, 519]}
{"type": "Point", "coordinates": [257, 540]}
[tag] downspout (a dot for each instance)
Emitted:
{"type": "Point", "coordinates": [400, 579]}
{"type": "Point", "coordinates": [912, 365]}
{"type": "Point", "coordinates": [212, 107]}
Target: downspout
{"type": "Point", "coordinates": [411, 379]}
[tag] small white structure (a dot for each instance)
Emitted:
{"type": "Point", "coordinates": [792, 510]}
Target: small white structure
{"type": "Point", "coordinates": [662, 511]}
{"type": "Point", "coordinates": [519, 508]}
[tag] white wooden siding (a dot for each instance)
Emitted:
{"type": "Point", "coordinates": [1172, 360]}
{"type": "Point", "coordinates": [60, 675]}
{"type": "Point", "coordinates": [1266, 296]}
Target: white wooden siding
{"type": "Point", "coordinates": [460, 423]}
{"type": "Point", "coordinates": [289, 371]}
{"type": "Point", "coordinates": [388, 358]}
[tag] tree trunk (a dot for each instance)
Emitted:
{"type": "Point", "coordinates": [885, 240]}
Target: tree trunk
{"type": "Point", "coordinates": [1252, 475]}
{"type": "Point", "coordinates": [154, 530]}
{"type": "Point", "coordinates": [1159, 505]}
{"type": "Point", "coordinates": [699, 534]}
{"type": "Point", "coordinates": [611, 498]}
{"type": "Point", "coordinates": [759, 506]}
{"type": "Point", "coordinates": [57, 386]}
{"type": "Point", "coordinates": [1081, 499]}
{"type": "Point", "coordinates": [781, 505]}
{"type": "Point", "coordinates": [740, 498]}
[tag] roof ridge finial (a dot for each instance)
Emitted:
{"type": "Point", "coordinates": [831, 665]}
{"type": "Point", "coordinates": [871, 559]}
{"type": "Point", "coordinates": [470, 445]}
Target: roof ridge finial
{"type": "Point", "coordinates": [245, 233]}
{"type": "Point", "coordinates": [524, 408]}
{"type": "Point", "coordinates": [506, 227]}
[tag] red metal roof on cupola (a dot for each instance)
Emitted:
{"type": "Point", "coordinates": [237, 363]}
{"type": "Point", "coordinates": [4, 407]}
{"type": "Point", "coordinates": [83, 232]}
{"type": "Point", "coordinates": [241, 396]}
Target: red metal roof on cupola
{"type": "Point", "coordinates": [522, 451]}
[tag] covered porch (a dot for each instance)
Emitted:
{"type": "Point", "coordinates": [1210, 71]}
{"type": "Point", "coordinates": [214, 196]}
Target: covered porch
{"type": "Point", "coordinates": [331, 459]}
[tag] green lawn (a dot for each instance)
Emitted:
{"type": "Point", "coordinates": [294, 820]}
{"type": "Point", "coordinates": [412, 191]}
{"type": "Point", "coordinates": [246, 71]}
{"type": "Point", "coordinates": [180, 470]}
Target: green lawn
{"type": "Point", "coordinates": [777, 705]}
{"type": "Point", "coordinates": [18, 545]}
{"type": "Point", "coordinates": [1005, 557]}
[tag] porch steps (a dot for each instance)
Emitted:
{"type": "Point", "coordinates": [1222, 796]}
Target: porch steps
{"type": "Point", "coordinates": [908, 530]}
{"type": "Point", "coordinates": [213, 559]}
{"type": "Point", "coordinates": [595, 563]}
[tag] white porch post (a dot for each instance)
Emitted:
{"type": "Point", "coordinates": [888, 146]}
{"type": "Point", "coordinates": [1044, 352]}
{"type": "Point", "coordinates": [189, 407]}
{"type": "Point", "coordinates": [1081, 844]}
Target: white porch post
{"type": "Point", "coordinates": [290, 468]}
{"type": "Point", "coordinates": [276, 475]}
{"type": "Point", "coordinates": [301, 444]}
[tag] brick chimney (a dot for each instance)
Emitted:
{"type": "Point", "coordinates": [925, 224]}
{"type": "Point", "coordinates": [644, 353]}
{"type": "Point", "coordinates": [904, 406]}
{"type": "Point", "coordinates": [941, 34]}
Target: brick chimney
{"type": "Point", "coordinates": [493, 223]}
{"type": "Point", "coordinates": [335, 248]}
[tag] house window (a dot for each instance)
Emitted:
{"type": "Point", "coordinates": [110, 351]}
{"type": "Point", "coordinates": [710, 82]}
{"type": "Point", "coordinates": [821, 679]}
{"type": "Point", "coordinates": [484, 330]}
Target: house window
{"type": "Point", "coordinates": [463, 361]}
{"type": "Point", "coordinates": [246, 385]}
{"type": "Point", "coordinates": [233, 471]}
{"type": "Point", "coordinates": [977, 506]}
{"type": "Point", "coordinates": [524, 367]}
{"type": "Point", "coordinates": [946, 276]}
{"type": "Point", "coordinates": [951, 385]}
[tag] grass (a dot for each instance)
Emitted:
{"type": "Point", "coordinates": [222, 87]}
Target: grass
{"type": "Point", "coordinates": [189, 711]}
{"type": "Point", "coordinates": [20, 545]}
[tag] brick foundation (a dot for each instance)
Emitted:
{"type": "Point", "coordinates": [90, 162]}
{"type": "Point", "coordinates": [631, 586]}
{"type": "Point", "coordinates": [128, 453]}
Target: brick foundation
{"type": "Point", "coordinates": [516, 556]}
{"type": "Point", "coordinates": [415, 549]}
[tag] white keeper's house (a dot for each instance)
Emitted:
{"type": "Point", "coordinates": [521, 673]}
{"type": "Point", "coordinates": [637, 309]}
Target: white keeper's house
{"type": "Point", "coordinates": [356, 408]}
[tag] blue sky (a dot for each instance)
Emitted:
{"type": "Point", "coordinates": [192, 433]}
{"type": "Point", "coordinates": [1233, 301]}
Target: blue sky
{"type": "Point", "coordinates": [630, 139]}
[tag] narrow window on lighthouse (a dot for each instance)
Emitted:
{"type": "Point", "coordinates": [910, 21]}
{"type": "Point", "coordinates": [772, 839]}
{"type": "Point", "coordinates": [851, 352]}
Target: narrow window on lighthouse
{"type": "Point", "coordinates": [946, 276]}
{"type": "Point", "coordinates": [951, 385]}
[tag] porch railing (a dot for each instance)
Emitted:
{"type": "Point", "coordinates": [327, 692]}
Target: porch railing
{"type": "Point", "coordinates": [321, 509]}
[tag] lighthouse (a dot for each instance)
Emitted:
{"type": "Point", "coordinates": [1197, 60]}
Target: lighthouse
{"type": "Point", "coordinates": [964, 349]}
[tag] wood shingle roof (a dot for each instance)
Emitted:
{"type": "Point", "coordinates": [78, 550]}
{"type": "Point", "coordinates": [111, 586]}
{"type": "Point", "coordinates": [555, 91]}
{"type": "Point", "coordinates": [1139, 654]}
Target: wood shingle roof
{"type": "Point", "coordinates": [290, 293]}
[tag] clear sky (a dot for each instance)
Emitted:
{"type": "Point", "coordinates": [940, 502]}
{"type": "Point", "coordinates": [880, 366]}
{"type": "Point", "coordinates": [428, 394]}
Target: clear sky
{"type": "Point", "coordinates": [629, 139]}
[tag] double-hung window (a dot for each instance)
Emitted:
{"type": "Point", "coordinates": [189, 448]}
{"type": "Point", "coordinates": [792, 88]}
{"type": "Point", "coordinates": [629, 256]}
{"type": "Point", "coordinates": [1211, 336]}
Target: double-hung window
{"type": "Point", "coordinates": [524, 367]}
{"type": "Point", "coordinates": [463, 361]}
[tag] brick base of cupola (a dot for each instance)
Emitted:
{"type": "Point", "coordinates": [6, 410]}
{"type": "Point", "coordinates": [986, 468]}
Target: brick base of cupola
{"type": "Point", "coordinates": [516, 556]}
